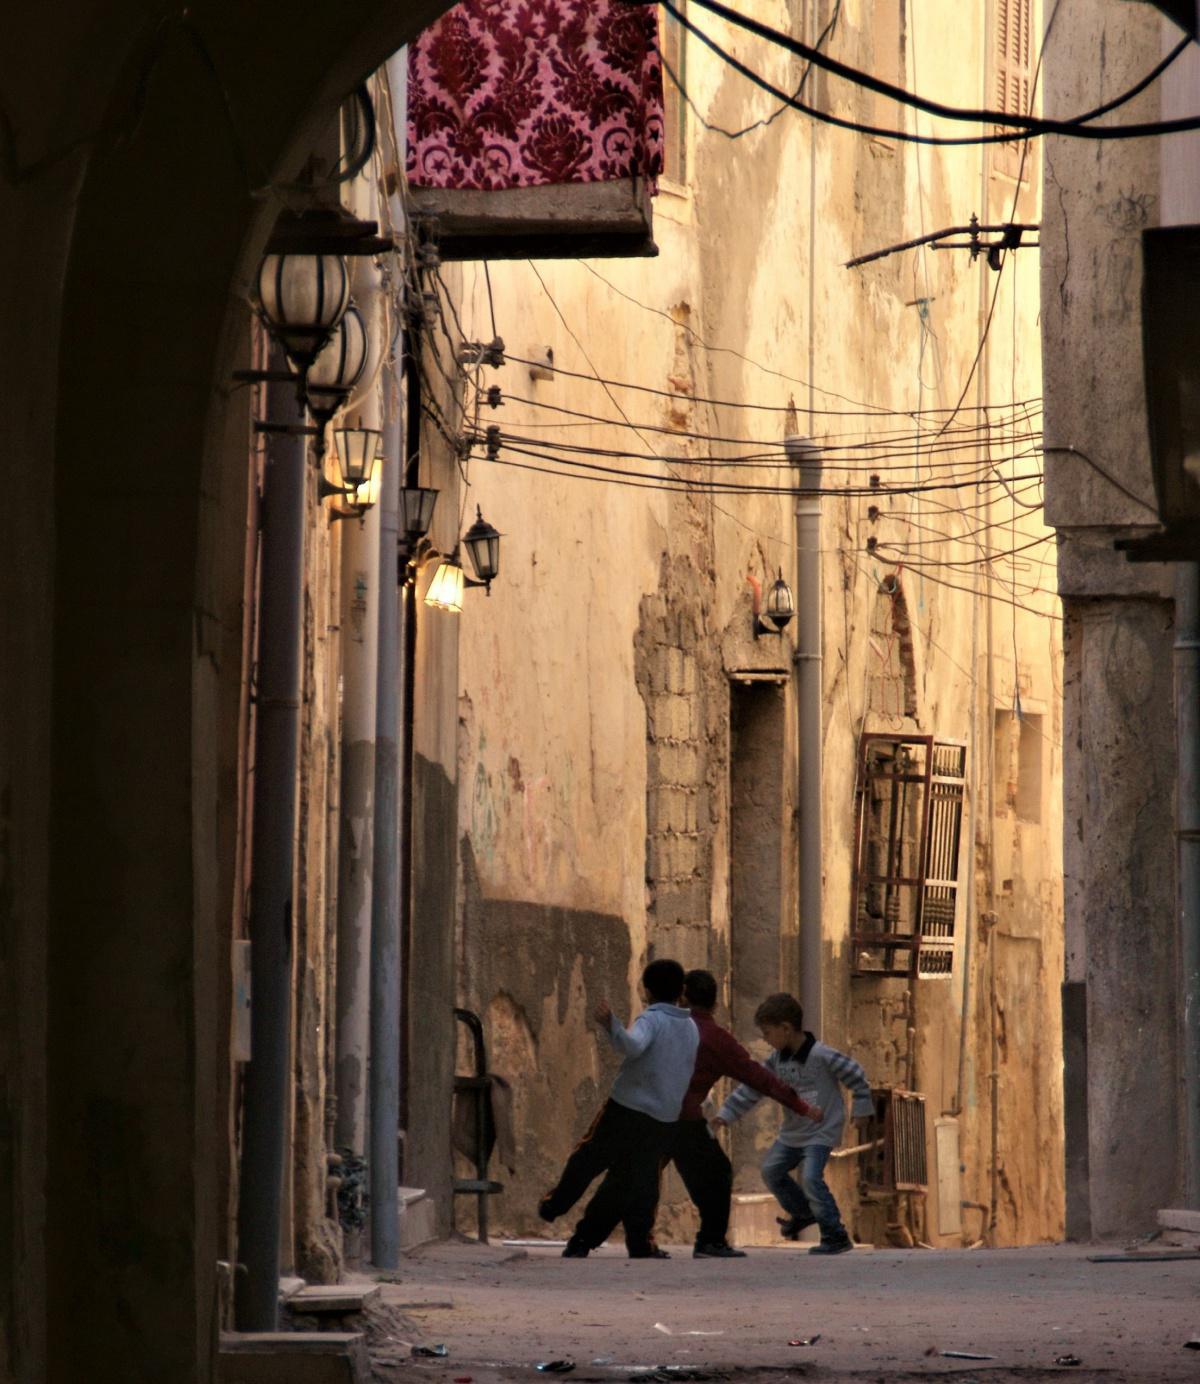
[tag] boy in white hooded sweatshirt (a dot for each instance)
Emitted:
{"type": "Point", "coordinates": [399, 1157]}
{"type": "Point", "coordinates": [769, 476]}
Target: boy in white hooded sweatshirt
{"type": "Point", "coordinates": [629, 1138]}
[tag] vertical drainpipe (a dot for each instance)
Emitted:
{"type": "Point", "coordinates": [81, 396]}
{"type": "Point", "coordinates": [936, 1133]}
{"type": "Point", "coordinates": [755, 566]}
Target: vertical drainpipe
{"type": "Point", "coordinates": [1187, 729]}
{"type": "Point", "coordinates": [384, 1114]}
{"type": "Point", "coordinates": [277, 723]}
{"type": "Point", "coordinates": [805, 455]}
{"type": "Point", "coordinates": [360, 643]}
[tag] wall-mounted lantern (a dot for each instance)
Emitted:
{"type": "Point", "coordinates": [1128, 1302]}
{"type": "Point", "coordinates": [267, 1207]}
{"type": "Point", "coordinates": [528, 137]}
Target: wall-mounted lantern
{"type": "Point", "coordinates": [483, 545]}
{"type": "Point", "coordinates": [358, 459]}
{"type": "Point", "coordinates": [449, 581]}
{"type": "Point", "coordinates": [336, 370]}
{"type": "Point", "coordinates": [446, 589]}
{"type": "Point", "coordinates": [780, 607]}
{"type": "Point", "coordinates": [302, 298]}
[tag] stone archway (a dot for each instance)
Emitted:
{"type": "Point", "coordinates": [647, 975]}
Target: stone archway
{"type": "Point", "coordinates": [136, 154]}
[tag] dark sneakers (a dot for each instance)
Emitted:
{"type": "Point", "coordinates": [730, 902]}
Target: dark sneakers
{"type": "Point", "coordinates": [575, 1249]}
{"type": "Point", "coordinates": [839, 1244]}
{"type": "Point", "coordinates": [721, 1251]}
{"type": "Point", "coordinates": [791, 1226]}
{"type": "Point", "coordinates": [650, 1252]}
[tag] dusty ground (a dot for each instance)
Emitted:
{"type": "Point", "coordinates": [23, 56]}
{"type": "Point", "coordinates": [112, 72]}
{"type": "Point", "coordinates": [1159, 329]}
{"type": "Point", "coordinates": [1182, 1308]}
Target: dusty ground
{"type": "Point", "coordinates": [880, 1315]}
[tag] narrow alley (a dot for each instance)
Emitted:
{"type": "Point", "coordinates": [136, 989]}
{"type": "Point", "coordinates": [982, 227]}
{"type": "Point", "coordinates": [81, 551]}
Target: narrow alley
{"type": "Point", "coordinates": [876, 1314]}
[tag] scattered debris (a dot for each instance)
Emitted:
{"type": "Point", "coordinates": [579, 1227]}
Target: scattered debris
{"type": "Point", "coordinates": [1143, 1257]}
{"type": "Point", "coordinates": [964, 1355]}
{"type": "Point", "coordinates": [1067, 1360]}
{"type": "Point", "coordinates": [672, 1374]}
{"type": "Point", "coordinates": [439, 1351]}
{"type": "Point", "coordinates": [556, 1366]}
{"type": "Point", "coordinates": [603, 1360]}
{"type": "Point", "coordinates": [667, 1331]}
{"type": "Point", "coordinates": [805, 1340]}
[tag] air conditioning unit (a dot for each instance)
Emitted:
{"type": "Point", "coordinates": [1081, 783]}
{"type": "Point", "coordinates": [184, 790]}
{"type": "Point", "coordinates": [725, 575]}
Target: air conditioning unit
{"type": "Point", "coordinates": [898, 1163]}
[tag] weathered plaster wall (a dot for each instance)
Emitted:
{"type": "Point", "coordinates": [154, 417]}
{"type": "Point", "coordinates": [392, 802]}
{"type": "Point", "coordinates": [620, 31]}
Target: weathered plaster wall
{"type": "Point", "coordinates": [1119, 997]}
{"type": "Point", "coordinates": [596, 716]}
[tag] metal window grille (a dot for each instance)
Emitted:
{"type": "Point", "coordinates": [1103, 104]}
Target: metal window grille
{"type": "Point", "coordinates": [908, 830]}
{"type": "Point", "coordinates": [898, 1163]}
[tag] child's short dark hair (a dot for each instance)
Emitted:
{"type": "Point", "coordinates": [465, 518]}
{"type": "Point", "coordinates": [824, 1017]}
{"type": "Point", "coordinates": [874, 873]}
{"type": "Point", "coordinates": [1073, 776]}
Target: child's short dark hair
{"type": "Point", "coordinates": [700, 988]}
{"type": "Point", "coordinates": [663, 980]}
{"type": "Point", "coordinates": [780, 1009]}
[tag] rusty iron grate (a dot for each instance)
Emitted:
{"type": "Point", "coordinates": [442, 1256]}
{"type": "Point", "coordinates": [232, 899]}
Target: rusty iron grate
{"type": "Point", "coordinates": [899, 1162]}
{"type": "Point", "coordinates": [908, 833]}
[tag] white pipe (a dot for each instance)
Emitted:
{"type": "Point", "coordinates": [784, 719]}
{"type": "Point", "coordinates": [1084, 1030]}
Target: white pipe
{"type": "Point", "coordinates": [360, 646]}
{"type": "Point", "coordinates": [805, 455]}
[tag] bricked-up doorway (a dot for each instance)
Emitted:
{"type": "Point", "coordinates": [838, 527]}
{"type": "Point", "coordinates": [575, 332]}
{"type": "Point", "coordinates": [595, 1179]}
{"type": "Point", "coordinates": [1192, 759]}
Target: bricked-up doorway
{"type": "Point", "coordinates": [756, 795]}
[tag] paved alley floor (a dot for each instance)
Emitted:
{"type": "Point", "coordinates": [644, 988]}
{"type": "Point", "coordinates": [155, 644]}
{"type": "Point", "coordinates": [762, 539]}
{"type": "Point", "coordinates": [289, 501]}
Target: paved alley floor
{"type": "Point", "coordinates": [872, 1314]}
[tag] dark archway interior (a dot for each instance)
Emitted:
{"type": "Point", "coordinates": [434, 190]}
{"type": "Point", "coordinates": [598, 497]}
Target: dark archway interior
{"type": "Point", "coordinates": [141, 156]}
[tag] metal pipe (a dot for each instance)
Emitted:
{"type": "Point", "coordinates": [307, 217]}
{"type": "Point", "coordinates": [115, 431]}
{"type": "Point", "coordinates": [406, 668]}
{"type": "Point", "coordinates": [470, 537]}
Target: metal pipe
{"type": "Point", "coordinates": [1187, 723]}
{"type": "Point", "coordinates": [356, 836]}
{"type": "Point", "coordinates": [408, 695]}
{"type": "Point", "coordinates": [384, 1112]}
{"type": "Point", "coordinates": [805, 455]}
{"type": "Point", "coordinates": [385, 897]}
{"type": "Point", "coordinates": [277, 726]}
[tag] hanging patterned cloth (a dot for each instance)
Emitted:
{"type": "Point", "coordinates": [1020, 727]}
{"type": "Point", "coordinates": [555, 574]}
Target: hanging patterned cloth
{"type": "Point", "coordinates": [506, 94]}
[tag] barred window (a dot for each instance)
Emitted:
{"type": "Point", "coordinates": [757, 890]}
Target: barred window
{"type": "Point", "coordinates": [908, 829]}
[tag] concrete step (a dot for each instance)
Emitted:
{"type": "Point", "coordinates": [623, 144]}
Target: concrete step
{"type": "Point", "coordinates": [418, 1218]}
{"type": "Point", "coordinates": [752, 1221]}
{"type": "Point", "coordinates": [333, 1297]}
{"type": "Point", "coordinates": [1180, 1219]}
{"type": "Point", "coordinates": [293, 1357]}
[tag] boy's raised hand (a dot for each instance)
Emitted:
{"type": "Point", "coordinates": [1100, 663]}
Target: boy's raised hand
{"type": "Point", "coordinates": [603, 1014]}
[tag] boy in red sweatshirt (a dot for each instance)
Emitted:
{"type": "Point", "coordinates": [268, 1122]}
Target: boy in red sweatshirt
{"type": "Point", "coordinates": [706, 1171]}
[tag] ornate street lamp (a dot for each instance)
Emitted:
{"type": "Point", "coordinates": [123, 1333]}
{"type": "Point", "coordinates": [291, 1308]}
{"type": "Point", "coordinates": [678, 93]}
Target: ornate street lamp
{"type": "Point", "coordinates": [779, 609]}
{"type": "Point", "coordinates": [446, 589]}
{"type": "Point", "coordinates": [357, 449]}
{"type": "Point", "coordinates": [483, 545]}
{"type": "Point", "coordinates": [302, 298]}
{"type": "Point", "coordinates": [336, 370]}
{"type": "Point", "coordinates": [414, 515]}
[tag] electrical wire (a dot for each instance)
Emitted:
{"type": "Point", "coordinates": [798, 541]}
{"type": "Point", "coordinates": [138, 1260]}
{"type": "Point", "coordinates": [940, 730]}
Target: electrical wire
{"type": "Point", "coordinates": [1030, 126]}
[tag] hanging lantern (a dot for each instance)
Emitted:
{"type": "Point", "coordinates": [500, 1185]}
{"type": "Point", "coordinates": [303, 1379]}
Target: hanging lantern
{"type": "Point", "coordinates": [337, 368]}
{"type": "Point", "coordinates": [446, 589]}
{"type": "Point", "coordinates": [302, 299]}
{"type": "Point", "coordinates": [780, 605]}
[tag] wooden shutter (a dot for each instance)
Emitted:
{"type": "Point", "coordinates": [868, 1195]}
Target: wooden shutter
{"type": "Point", "coordinates": [1012, 79]}
{"type": "Point", "coordinates": [908, 831]}
{"type": "Point", "coordinates": [939, 894]}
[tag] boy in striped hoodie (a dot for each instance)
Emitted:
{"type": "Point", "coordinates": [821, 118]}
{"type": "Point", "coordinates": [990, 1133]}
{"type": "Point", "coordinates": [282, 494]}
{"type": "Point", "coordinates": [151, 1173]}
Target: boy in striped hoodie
{"type": "Point", "coordinates": [814, 1071]}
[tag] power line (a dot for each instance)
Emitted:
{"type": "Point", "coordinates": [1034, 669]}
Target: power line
{"type": "Point", "coordinates": [1027, 127]}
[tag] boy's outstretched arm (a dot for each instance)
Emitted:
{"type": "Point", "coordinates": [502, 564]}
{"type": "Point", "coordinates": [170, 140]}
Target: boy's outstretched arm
{"type": "Point", "coordinates": [737, 1063]}
{"type": "Point", "coordinates": [738, 1102]}
{"type": "Point", "coordinates": [852, 1076]}
{"type": "Point", "coordinates": [629, 1042]}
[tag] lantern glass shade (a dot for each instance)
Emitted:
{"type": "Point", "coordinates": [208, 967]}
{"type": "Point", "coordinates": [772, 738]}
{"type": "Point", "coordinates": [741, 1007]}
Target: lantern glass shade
{"type": "Point", "coordinates": [780, 605]}
{"type": "Point", "coordinates": [337, 368]}
{"type": "Point", "coordinates": [415, 512]}
{"type": "Point", "coordinates": [356, 449]}
{"type": "Point", "coordinates": [483, 544]}
{"type": "Point", "coordinates": [446, 589]}
{"type": "Point", "coordinates": [366, 492]}
{"type": "Point", "coordinates": [303, 298]}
